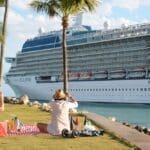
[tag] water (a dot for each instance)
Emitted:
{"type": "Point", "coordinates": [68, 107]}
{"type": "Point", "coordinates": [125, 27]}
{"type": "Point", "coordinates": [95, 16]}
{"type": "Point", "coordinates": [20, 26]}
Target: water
{"type": "Point", "coordinates": [135, 114]}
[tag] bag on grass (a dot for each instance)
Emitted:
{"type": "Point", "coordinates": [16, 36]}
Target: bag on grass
{"type": "Point", "coordinates": [3, 129]}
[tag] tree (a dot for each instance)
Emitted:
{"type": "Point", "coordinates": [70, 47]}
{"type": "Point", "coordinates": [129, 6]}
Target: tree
{"type": "Point", "coordinates": [5, 4]}
{"type": "Point", "coordinates": [2, 3]}
{"type": "Point", "coordinates": [1, 36]}
{"type": "Point", "coordinates": [64, 8]}
{"type": "Point", "coordinates": [2, 44]}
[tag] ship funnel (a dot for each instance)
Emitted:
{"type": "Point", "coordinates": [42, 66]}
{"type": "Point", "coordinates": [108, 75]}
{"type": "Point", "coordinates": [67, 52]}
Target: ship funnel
{"type": "Point", "coordinates": [106, 25]}
{"type": "Point", "coordinates": [77, 20]}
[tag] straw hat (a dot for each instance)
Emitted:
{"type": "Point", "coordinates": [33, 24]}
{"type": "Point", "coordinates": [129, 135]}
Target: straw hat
{"type": "Point", "coordinates": [59, 95]}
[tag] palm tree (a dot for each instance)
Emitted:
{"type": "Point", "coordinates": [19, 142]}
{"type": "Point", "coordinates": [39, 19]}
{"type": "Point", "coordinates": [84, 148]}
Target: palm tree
{"type": "Point", "coordinates": [2, 3]}
{"type": "Point", "coordinates": [64, 8]}
{"type": "Point", "coordinates": [5, 2]}
{"type": "Point", "coordinates": [1, 36]}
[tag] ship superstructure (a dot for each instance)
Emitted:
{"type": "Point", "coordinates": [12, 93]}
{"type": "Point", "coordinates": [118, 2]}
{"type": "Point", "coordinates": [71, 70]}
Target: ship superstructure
{"type": "Point", "coordinates": [110, 65]}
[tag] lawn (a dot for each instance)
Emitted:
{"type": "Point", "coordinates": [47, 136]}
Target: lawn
{"type": "Point", "coordinates": [46, 142]}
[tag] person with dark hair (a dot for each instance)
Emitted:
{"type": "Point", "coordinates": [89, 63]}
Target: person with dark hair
{"type": "Point", "coordinates": [60, 106]}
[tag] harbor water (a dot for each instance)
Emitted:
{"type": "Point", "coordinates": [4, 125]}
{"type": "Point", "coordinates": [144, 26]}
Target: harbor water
{"type": "Point", "coordinates": [134, 114]}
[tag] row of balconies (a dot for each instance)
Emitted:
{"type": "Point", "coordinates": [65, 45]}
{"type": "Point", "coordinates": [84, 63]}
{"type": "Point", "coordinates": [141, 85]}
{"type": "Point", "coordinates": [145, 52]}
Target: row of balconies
{"type": "Point", "coordinates": [84, 55]}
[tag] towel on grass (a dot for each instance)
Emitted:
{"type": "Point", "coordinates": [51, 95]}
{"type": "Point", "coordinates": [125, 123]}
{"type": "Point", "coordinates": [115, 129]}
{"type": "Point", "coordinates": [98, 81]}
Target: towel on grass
{"type": "Point", "coordinates": [25, 130]}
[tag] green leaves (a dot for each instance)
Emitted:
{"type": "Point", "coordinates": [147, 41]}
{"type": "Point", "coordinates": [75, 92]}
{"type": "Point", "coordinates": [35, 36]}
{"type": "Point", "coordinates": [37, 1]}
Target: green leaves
{"type": "Point", "coordinates": [63, 7]}
{"type": "Point", "coordinates": [2, 3]}
{"type": "Point", "coordinates": [1, 26]}
{"type": "Point", "coordinates": [1, 37]}
{"type": "Point", "coordinates": [50, 7]}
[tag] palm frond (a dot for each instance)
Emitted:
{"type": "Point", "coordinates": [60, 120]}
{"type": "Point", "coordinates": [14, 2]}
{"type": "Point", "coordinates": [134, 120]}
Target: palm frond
{"type": "Point", "coordinates": [71, 7]}
{"type": "Point", "coordinates": [49, 7]}
{"type": "Point", "coordinates": [1, 38]}
{"type": "Point", "coordinates": [2, 2]}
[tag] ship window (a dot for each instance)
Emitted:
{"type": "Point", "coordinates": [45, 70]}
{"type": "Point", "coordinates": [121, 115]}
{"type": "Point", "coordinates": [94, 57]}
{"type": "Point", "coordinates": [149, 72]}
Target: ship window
{"type": "Point", "coordinates": [137, 89]}
{"type": "Point", "coordinates": [115, 89]}
{"type": "Point", "coordinates": [141, 89]}
{"type": "Point", "coordinates": [129, 89]}
{"type": "Point", "coordinates": [126, 89]}
{"type": "Point", "coordinates": [112, 89]}
{"type": "Point", "coordinates": [122, 89]}
{"type": "Point", "coordinates": [149, 89]}
{"type": "Point", "coordinates": [67, 32]}
{"type": "Point", "coordinates": [145, 89]}
{"type": "Point", "coordinates": [105, 89]}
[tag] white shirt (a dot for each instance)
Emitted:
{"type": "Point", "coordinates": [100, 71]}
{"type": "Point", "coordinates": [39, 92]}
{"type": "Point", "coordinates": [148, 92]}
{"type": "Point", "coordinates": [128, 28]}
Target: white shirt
{"type": "Point", "coordinates": [60, 116]}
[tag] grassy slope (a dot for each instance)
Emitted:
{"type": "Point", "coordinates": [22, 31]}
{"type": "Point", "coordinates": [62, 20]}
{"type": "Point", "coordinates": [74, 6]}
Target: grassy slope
{"type": "Point", "coordinates": [46, 142]}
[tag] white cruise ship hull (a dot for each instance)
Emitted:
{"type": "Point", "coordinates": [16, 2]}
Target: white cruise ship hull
{"type": "Point", "coordinates": [119, 91]}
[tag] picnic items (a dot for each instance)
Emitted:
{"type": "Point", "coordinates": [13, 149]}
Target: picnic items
{"type": "Point", "coordinates": [14, 124]}
{"type": "Point", "coordinates": [10, 125]}
{"type": "Point", "coordinates": [15, 127]}
{"type": "Point", "coordinates": [76, 133]}
{"type": "Point", "coordinates": [3, 129]}
{"type": "Point", "coordinates": [87, 130]}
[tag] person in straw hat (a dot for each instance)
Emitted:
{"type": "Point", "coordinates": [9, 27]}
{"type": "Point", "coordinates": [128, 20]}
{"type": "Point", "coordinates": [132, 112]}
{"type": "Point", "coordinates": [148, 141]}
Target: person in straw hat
{"type": "Point", "coordinates": [60, 113]}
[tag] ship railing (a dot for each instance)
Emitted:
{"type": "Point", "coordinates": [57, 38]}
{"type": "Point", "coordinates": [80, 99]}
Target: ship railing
{"type": "Point", "coordinates": [112, 36]}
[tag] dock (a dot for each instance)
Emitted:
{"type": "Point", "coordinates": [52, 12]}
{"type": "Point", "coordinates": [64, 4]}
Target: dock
{"type": "Point", "coordinates": [128, 134]}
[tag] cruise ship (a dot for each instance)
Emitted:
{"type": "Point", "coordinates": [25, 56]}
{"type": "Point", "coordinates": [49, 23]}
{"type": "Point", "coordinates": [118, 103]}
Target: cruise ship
{"type": "Point", "coordinates": [107, 65]}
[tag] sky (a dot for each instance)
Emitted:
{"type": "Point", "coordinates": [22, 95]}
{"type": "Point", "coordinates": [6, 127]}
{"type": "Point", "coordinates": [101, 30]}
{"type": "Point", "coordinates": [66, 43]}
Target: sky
{"type": "Point", "coordinates": [24, 23]}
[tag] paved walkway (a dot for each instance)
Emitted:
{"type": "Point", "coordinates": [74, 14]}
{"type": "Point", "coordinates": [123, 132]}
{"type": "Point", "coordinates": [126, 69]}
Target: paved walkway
{"type": "Point", "coordinates": [133, 136]}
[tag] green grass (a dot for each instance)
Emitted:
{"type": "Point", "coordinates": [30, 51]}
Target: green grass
{"type": "Point", "coordinates": [46, 142]}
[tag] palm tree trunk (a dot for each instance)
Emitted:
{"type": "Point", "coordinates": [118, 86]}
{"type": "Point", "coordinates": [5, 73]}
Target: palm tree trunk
{"type": "Point", "coordinates": [3, 43]}
{"type": "Point", "coordinates": [65, 57]}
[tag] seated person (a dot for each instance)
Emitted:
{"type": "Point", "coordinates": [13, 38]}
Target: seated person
{"type": "Point", "coordinates": [60, 113]}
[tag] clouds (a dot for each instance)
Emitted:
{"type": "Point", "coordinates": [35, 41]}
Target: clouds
{"type": "Point", "coordinates": [128, 4]}
{"type": "Point", "coordinates": [131, 5]}
{"type": "Point", "coordinates": [105, 9]}
{"type": "Point", "coordinates": [21, 4]}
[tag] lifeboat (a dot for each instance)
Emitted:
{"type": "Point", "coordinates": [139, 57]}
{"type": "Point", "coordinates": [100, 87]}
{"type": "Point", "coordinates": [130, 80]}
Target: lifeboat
{"type": "Point", "coordinates": [137, 73]}
{"type": "Point", "coordinates": [85, 75]}
{"type": "Point", "coordinates": [74, 76]}
{"type": "Point", "coordinates": [100, 75]}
